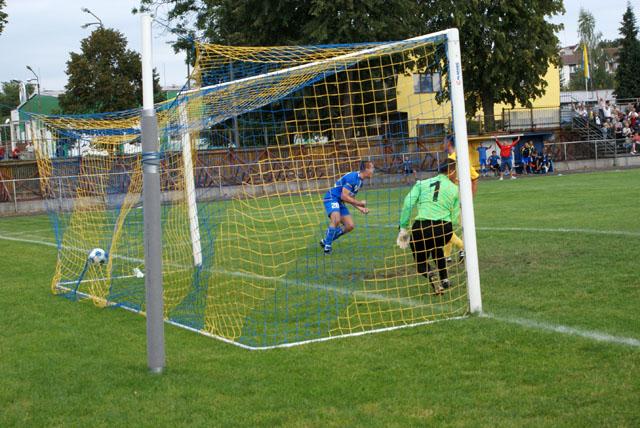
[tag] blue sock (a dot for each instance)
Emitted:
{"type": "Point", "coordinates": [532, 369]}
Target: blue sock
{"type": "Point", "coordinates": [331, 233]}
{"type": "Point", "coordinates": [338, 233]}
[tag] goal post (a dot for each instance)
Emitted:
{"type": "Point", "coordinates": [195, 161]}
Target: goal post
{"type": "Point", "coordinates": [462, 156]}
{"type": "Point", "coordinates": [151, 208]}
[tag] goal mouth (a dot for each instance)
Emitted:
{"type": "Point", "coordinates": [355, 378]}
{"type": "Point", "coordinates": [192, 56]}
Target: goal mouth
{"type": "Point", "coordinates": [247, 159]}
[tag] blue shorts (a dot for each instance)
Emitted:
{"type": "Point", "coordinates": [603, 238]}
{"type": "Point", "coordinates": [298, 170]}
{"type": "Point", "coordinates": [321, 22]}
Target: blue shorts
{"type": "Point", "coordinates": [505, 163]}
{"type": "Point", "coordinates": [526, 160]}
{"type": "Point", "coordinates": [483, 162]}
{"type": "Point", "coordinates": [333, 205]}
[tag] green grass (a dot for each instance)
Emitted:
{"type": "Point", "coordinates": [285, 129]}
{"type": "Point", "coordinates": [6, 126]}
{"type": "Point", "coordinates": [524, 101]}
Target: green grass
{"type": "Point", "coordinates": [63, 363]}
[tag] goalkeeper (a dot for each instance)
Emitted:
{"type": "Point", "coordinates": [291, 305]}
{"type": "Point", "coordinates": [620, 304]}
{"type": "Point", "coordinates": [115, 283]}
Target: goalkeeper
{"type": "Point", "coordinates": [343, 191]}
{"type": "Point", "coordinates": [438, 205]}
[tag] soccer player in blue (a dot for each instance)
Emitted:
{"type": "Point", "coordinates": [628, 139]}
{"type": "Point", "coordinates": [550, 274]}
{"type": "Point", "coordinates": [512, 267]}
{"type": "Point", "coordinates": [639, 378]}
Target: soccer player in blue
{"type": "Point", "coordinates": [482, 158]}
{"type": "Point", "coordinates": [494, 164]}
{"type": "Point", "coordinates": [334, 200]}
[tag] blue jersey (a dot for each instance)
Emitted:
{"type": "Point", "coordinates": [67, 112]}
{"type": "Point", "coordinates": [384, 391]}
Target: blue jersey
{"type": "Point", "coordinates": [493, 160]}
{"type": "Point", "coordinates": [482, 152]}
{"type": "Point", "coordinates": [352, 182]}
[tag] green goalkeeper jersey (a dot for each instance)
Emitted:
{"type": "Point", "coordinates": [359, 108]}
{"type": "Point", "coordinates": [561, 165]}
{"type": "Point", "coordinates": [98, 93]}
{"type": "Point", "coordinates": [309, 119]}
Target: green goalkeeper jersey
{"type": "Point", "coordinates": [436, 199]}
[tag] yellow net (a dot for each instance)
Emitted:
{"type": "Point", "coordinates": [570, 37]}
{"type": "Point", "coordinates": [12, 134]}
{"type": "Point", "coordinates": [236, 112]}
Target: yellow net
{"type": "Point", "coordinates": [254, 160]}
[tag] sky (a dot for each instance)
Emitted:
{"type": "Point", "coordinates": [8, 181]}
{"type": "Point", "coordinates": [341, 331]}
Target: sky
{"type": "Point", "coordinates": [41, 33]}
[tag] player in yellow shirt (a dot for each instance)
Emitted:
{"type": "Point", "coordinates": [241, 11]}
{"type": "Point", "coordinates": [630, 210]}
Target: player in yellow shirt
{"type": "Point", "coordinates": [455, 240]}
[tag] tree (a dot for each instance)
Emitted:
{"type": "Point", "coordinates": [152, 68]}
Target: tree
{"type": "Point", "coordinates": [292, 22]}
{"type": "Point", "coordinates": [105, 76]}
{"type": "Point", "coordinates": [600, 78]}
{"type": "Point", "coordinates": [3, 16]}
{"type": "Point", "coordinates": [507, 47]}
{"type": "Point", "coordinates": [286, 22]}
{"type": "Point", "coordinates": [10, 97]}
{"type": "Point", "coordinates": [627, 82]}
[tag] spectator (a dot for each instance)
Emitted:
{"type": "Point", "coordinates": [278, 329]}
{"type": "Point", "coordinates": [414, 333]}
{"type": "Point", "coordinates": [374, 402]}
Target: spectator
{"type": "Point", "coordinates": [525, 153]}
{"type": "Point", "coordinates": [606, 111]}
{"type": "Point", "coordinates": [505, 157]}
{"type": "Point", "coordinates": [494, 165]}
{"type": "Point", "coordinates": [635, 140]}
{"type": "Point", "coordinates": [547, 160]}
{"type": "Point", "coordinates": [407, 168]}
{"type": "Point", "coordinates": [482, 158]}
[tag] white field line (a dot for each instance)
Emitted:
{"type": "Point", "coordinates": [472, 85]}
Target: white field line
{"type": "Point", "coordinates": [523, 322]}
{"type": "Point", "coordinates": [550, 230]}
{"type": "Point", "coordinates": [562, 230]}
{"type": "Point", "coordinates": [25, 232]}
{"type": "Point", "coordinates": [571, 331]}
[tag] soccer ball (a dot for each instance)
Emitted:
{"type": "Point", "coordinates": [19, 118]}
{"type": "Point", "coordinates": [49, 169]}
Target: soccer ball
{"type": "Point", "coordinates": [98, 256]}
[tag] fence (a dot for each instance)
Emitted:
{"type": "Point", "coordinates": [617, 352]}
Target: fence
{"type": "Point", "coordinates": [223, 179]}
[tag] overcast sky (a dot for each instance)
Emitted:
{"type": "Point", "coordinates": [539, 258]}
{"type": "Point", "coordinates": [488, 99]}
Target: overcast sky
{"type": "Point", "coordinates": [41, 33]}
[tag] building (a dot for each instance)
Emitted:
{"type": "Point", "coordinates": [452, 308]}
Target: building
{"type": "Point", "coordinates": [426, 117]}
{"type": "Point", "coordinates": [571, 61]}
{"type": "Point", "coordinates": [19, 126]}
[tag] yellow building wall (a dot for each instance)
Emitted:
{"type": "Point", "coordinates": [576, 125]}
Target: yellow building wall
{"type": "Point", "coordinates": [424, 109]}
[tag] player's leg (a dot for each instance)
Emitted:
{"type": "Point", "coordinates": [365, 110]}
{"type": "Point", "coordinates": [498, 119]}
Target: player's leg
{"type": "Point", "coordinates": [346, 220]}
{"type": "Point", "coordinates": [333, 211]}
{"type": "Point", "coordinates": [442, 233]}
{"type": "Point", "coordinates": [448, 248]}
{"type": "Point", "coordinates": [437, 255]}
{"type": "Point", "coordinates": [418, 249]}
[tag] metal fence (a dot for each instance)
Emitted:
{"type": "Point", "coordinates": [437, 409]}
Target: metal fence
{"type": "Point", "coordinates": [16, 190]}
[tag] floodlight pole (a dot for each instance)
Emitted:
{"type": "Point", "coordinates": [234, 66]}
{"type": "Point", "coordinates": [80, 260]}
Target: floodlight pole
{"type": "Point", "coordinates": [152, 209]}
{"type": "Point", "coordinates": [464, 172]}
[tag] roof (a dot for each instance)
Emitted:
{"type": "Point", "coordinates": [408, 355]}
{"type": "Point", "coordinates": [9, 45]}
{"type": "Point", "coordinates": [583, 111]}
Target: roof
{"type": "Point", "coordinates": [46, 104]}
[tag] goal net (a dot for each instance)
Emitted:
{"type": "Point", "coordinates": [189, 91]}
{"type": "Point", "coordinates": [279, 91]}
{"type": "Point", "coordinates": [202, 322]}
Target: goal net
{"type": "Point", "coordinates": [247, 155]}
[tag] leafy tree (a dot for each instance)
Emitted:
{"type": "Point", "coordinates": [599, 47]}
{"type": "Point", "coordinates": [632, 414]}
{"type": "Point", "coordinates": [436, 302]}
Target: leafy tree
{"type": "Point", "coordinates": [600, 78]}
{"type": "Point", "coordinates": [507, 47]}
{"type": "Point", "coordinates": [627, 82]}
{"type": "Point", "coordinates": [283, 22]}
{"type": "Point", "coordinates": [104, 76]}
{"type": "Point", "coordinates": [10, 97]}
{"type": "Point", "coordinates": [3, 16]}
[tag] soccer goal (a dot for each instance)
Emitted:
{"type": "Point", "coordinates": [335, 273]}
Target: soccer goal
{"type": "Point", "coordinates": [246, 156]}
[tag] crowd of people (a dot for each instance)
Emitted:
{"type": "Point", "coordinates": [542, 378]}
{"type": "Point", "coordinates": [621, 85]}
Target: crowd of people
{"type": "Point", "coordinates": [619, 122]}
{"type": "Point", "coordinates": [532, 161]}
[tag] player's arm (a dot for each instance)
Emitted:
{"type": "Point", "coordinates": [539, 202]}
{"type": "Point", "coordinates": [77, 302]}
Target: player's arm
{"type": "Point", "coordinates": [346, 197]}
{"type": "Point", "coordinates": [360, 205]}
{"type": "Point", "coordinates": [409, 202]}
{"type": "Point", "coordinates": [498, 143]}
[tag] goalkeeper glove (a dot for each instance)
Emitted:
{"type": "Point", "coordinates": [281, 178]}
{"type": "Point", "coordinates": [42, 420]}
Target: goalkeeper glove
{"type": "Point", "coordinates": [403, 239]}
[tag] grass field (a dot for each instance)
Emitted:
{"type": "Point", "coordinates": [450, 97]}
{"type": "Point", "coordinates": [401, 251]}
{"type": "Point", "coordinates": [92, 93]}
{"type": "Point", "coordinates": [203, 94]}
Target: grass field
{"type": "Point", "coordinates": [559, 345]}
